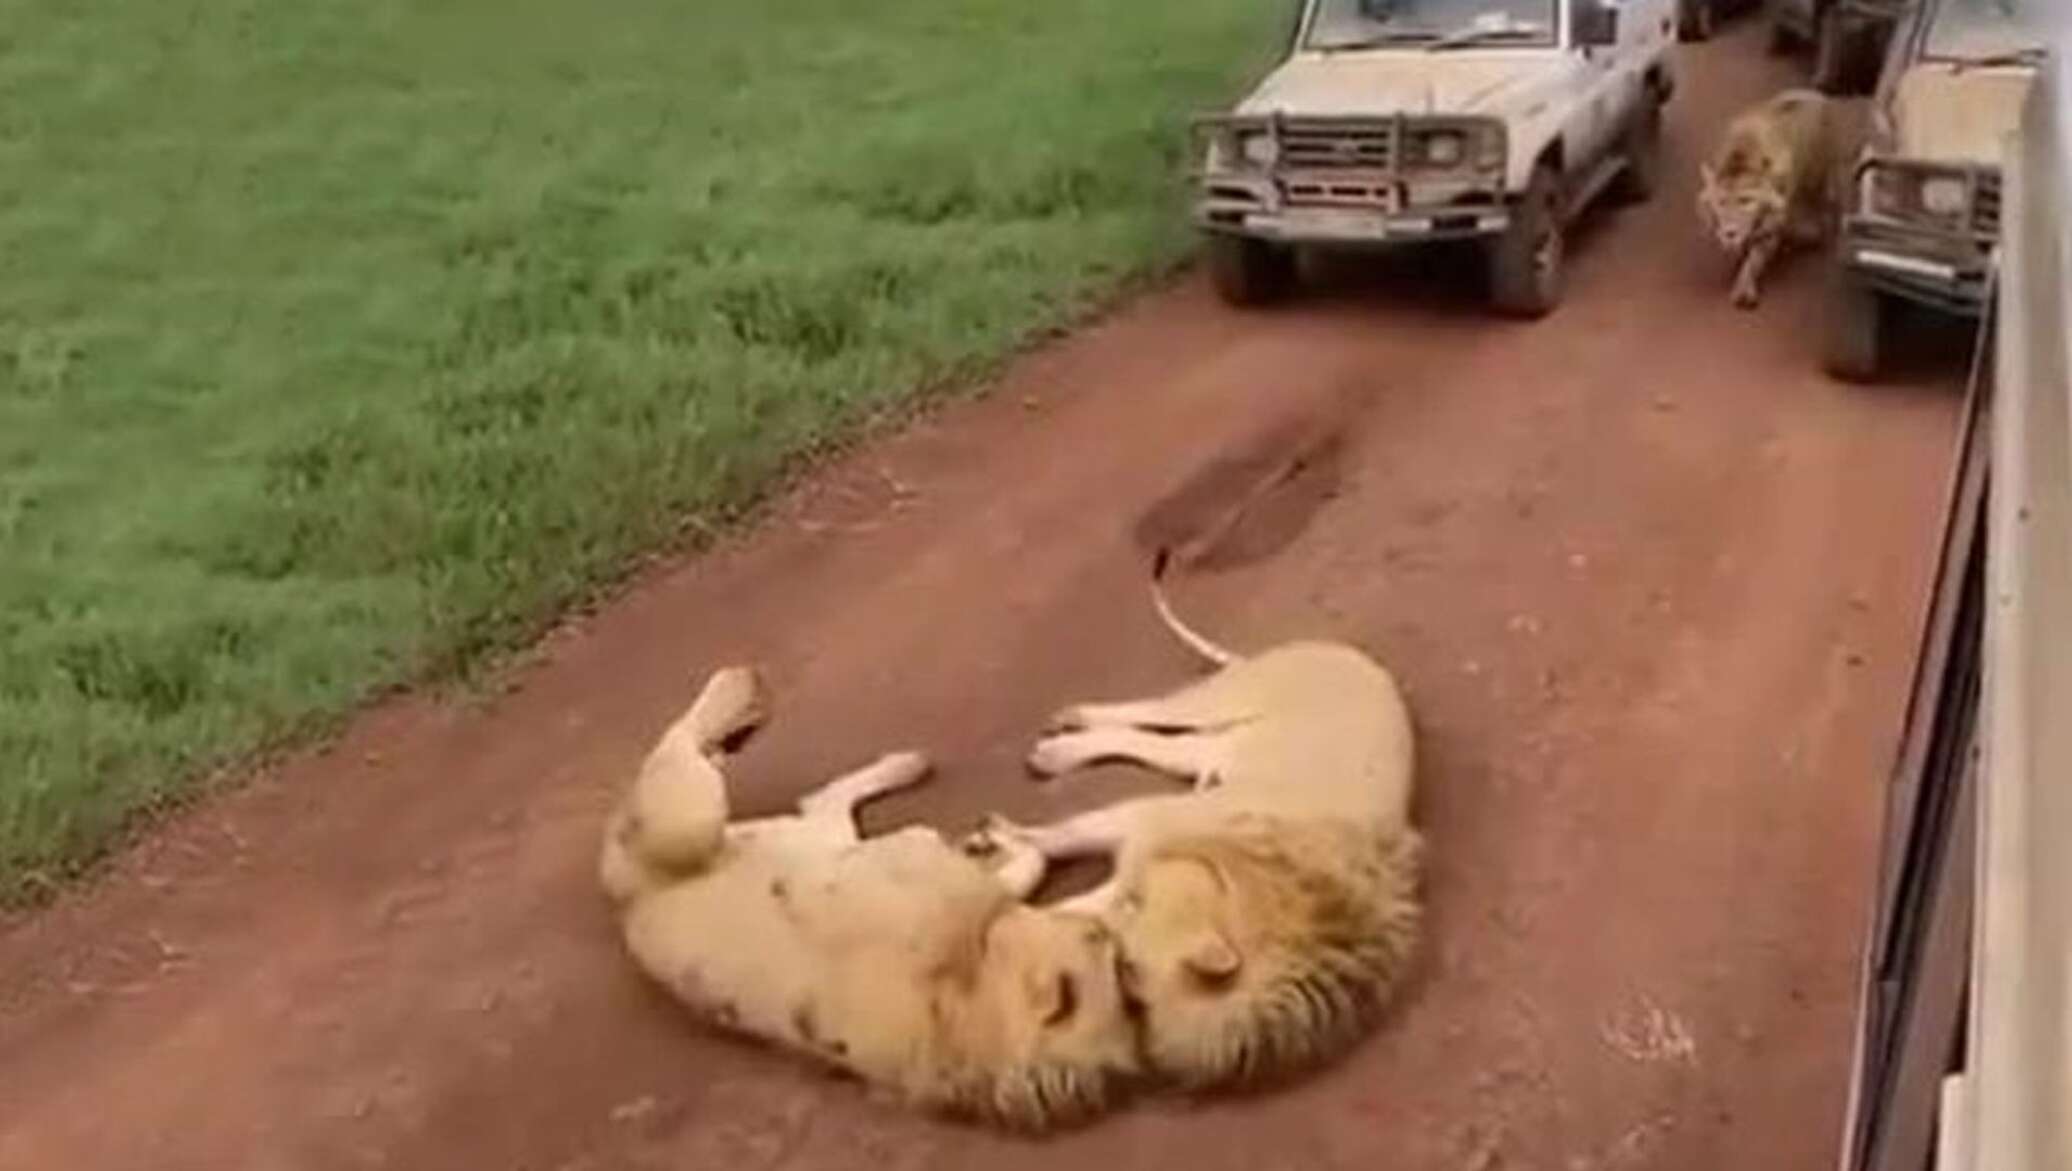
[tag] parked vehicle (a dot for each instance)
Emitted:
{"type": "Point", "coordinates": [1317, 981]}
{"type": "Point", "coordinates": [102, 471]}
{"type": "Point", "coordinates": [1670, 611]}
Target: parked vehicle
{"type": "Point", "coordinates": [1697, 20]}
{"type": "Point", "coordinates": [1402, 122]}
{"type": "Point", "coordinates": [1921, 216]}
{"type": "Point", "coordinates": [1848, 38]}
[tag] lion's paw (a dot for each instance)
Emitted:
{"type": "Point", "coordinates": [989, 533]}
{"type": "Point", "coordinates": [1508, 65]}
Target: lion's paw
{"type": "Point", "coordinates": [1053, 755]}
{"type": "Point", "coordinates": [908, 766]}
{"type": "Point", "coordinates": [735, 702]}
{"type": "Point", "coordinates": [990, 839]}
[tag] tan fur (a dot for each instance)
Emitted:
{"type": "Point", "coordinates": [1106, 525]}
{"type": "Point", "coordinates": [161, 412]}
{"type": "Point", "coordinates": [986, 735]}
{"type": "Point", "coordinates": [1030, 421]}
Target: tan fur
{"type": "Point", "coordinates": [1265, 916]}
{"type": "Point", "coordinates": [898, 959]}
{"type": "Point", "coordinates": [1771, 182]}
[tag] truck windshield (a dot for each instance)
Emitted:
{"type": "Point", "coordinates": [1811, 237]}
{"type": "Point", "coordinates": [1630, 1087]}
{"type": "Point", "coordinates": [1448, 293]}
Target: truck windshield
{"type": "Point", "coordinates": [1340, 25]}
{"type": "Point", "coordinates": [1981, 32]}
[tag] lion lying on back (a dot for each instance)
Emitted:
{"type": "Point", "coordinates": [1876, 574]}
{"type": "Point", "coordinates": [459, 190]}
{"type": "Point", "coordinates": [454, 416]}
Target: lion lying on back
{"type": "Point", "coordinates": [1771, 182]}
{"type": "Point", "coordinates": [1266, 916]}
{"type": "Point", "coordinates": [898, 959]}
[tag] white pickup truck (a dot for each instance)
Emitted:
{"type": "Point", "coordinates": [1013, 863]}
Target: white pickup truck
{"type": "Point", "coordinates": [1396, 122]}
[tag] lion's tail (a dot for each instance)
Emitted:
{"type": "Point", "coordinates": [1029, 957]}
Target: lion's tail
{"type": "Point", "coordinates": [1185, 633]}
{"type": "Point", "coordinates": [674, 820]}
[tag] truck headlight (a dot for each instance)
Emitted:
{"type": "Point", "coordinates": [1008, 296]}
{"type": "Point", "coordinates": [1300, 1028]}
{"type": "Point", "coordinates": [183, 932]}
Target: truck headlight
{"type": "Point", "coordinates": [1943, 195]}
{"type": "Point", "coordinates": [1258, 149]}
{"type": "Point", "coordinates": [1444, 149]}
{"type": "Point", "coordinates": [1906, 193]}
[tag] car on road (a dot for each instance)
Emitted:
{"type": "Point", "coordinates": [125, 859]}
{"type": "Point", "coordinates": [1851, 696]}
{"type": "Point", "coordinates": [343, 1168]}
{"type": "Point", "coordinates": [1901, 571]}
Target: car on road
{"type": "Point", "coordinates": [1697, 20]}
{"type": "Point", "coordinates": [1847, 38]}
{"type": "Point", "coordinates": [1920, 218]}
{"type": "Point", "coordinates": [1407, 122]}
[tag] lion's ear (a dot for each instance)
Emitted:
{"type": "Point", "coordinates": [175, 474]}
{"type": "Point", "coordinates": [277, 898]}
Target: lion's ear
{"type": "Point", "coordinates": [1707, 177]}
{"type": "Point", "coordinates": [1053, 996]}
{"type": "Point", "coordinates": [1211, 959]}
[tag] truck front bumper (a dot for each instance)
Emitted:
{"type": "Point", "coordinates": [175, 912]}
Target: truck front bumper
{"type": "Point", "coordinates": [1372, 181]}
{"type": "Point", "coordinates": [1933, 268]}
{"type": "Point", "coordinates": [1356, 226]}
{"type": "Point", "coordinates": [1366, 213]}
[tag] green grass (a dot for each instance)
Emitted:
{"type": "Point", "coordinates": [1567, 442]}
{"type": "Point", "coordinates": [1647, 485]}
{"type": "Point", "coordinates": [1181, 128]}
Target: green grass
{"type": "Point", "coordinates": [342, 345]}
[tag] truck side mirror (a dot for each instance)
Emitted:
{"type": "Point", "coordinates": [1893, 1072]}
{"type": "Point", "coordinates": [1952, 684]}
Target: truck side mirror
{"type": "Point", "coordinates": [1595, 23]}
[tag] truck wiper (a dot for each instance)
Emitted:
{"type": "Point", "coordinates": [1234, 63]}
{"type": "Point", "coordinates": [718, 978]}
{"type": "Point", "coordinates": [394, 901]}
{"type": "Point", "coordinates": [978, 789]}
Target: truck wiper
{"type": "Point", "coordinates": [1462, 38]}
{"type": "Point", "coordinates": [1378, 41]}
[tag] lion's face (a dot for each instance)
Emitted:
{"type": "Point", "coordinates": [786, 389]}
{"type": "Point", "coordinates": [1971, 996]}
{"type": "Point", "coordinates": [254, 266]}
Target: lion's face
{"type": "Point", "coordinates": [1739, 211]}
{"type": "Point", "coordinates": [1061, 1026]}
{"type": "Point", "coordinates": [1263, 950]}
{"type": "Point", "coordinates": [1185, 964]}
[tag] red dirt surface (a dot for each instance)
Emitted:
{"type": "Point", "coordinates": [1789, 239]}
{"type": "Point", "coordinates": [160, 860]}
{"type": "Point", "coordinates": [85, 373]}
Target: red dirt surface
{"type": "Point", "coordinates": [1653, 584]}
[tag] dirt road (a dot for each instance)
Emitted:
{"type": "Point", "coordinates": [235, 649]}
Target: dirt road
{"type": "Point", "coordinates": [1652, 581]}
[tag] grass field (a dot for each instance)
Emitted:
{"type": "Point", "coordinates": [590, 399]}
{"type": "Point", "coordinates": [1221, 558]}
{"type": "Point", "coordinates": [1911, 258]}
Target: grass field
{"type": "Point", "coordinates": [343, 345]}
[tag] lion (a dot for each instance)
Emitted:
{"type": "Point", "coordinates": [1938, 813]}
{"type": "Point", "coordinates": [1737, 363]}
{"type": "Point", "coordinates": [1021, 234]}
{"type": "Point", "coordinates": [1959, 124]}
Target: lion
{"type": "Point", "coordinates": [898, 959]}
{"type": "Point", "coordinates": [1771, 183]}
{"type": "Point", "coordinates": [1268, 915]}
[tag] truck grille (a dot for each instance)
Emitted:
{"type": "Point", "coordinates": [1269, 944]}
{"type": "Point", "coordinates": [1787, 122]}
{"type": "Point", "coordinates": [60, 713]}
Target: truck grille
{"type": "Point", "coordinates": [1321, 146]}
{"type": "Point", "coordinates": [1985, 205]}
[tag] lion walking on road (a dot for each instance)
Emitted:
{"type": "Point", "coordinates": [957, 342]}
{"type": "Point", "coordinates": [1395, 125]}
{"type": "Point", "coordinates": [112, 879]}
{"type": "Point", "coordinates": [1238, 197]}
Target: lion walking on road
{"type": "Point", "coordinates": [1772, 183]}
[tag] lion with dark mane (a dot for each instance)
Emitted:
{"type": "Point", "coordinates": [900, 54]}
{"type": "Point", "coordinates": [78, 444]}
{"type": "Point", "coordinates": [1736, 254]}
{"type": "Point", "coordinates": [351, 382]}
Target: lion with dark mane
{"type": "Point", "coordinates": [1266, 917]}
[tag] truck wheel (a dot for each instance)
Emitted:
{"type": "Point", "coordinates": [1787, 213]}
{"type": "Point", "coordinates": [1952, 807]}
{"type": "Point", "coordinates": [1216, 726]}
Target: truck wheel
{"type": "Point", "coordinates": [1855, 314]}
{"type": "Point", "coordinates": [1837, 56]}
{"type": "Point", "coordinates": [1642, 147]}
{"type": "Point", "coordinates": [1249, 272]}
{"type": "Point", "coordinates": [1699, 20]}
{"type": "Point", "coordinates": [1525, 263]}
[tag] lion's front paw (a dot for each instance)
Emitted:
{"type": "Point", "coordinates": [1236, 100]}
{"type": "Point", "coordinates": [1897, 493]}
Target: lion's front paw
{"type": "Point", "coordinates": [1053, 755]}
{"type": "Point", "coordinates": [907, 766]}
{"type": "Point", "coordinates": [1746, 297]}
{"type": "Point", "coordinates": [992, 837]}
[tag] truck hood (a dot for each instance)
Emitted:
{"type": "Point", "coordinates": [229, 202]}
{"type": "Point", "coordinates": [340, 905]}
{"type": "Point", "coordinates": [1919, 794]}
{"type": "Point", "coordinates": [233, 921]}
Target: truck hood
{"type": "Point", "coordinates": [1502, 82]}
{"type": "Point", "coordinates": [1942, 115]}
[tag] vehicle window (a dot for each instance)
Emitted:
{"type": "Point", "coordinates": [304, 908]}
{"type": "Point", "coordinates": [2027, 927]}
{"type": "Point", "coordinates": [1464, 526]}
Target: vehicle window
{"type": "Point", "coordinates": [1979, 31]}
{"type": "Point", "coordinates": [1361, 24]}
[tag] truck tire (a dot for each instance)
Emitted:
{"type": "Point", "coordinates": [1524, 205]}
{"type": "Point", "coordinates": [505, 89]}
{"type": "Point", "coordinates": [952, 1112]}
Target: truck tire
{"type": "Point", "coordinates": [1855, 317]}
{"type": "Point", "coordinates": [1248, 272]}
{"type": "Point", "coordinates": [1642, 147]}
{"type": "Point", "coordinates": [1525, 263]}
{"type": "Point", "coordinates": [1839, 66]}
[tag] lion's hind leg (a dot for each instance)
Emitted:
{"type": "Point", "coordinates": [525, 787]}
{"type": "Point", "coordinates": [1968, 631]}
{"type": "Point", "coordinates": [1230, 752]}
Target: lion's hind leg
{"type": "Point", "coordinates": [1187, 755]}
{"type": "Point", "coordinates": [1807, 226]}
{"type": "Point", "coordinates": [1219, 701]}
{"type": "Point", "coordinates": [674, 817]}
{"type": "Point", "coordinates": [732, 705]}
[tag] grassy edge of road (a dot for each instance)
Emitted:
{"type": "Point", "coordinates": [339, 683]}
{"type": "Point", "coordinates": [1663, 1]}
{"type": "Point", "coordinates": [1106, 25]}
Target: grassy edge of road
{"type": "Point", "coordinates": [343, 350]}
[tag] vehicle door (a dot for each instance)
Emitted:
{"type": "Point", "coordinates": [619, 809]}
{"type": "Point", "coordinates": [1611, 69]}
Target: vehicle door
{"type": "Point", "coordinates": [1594, 95]}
